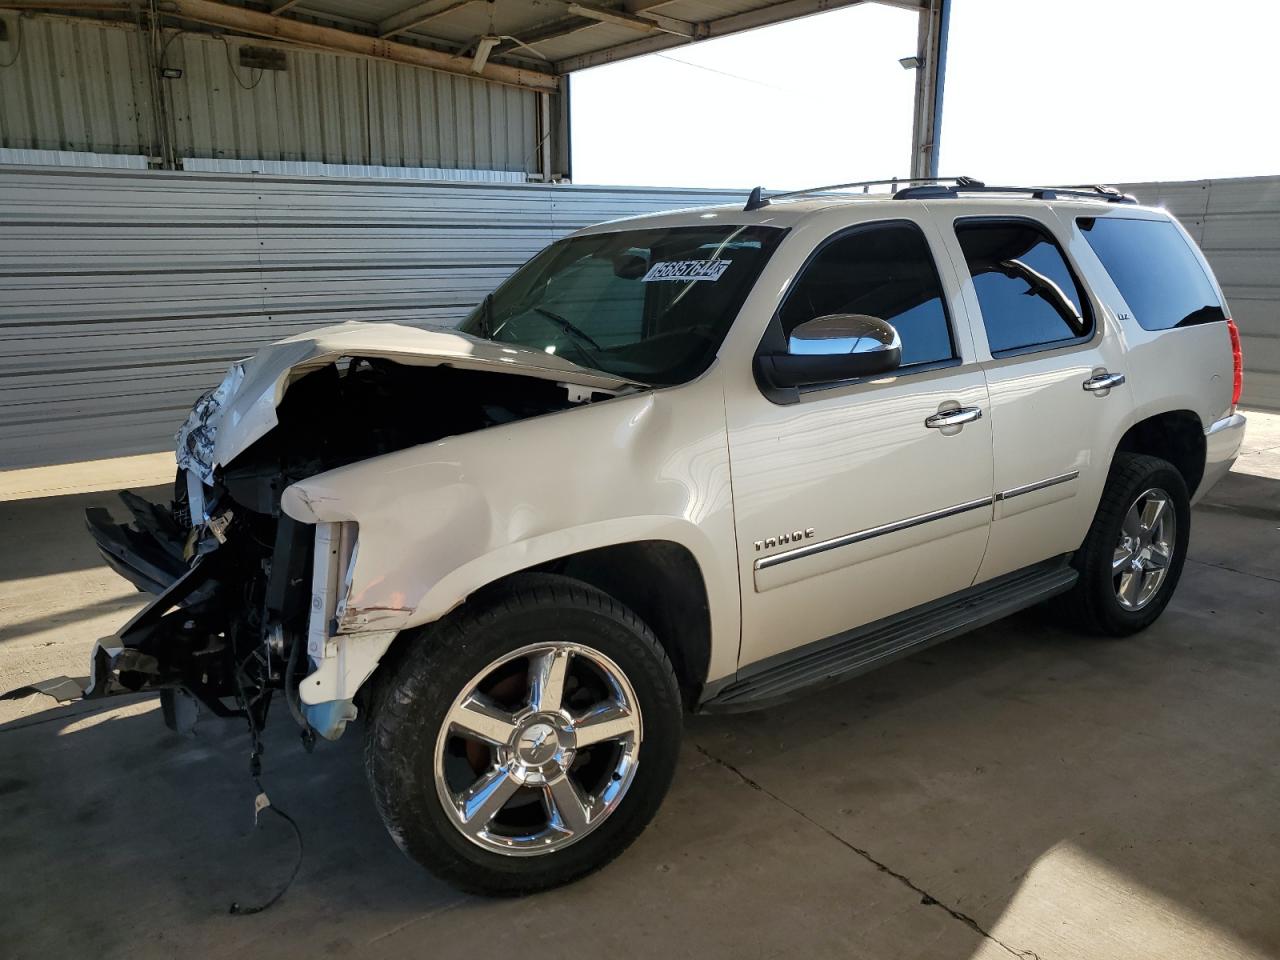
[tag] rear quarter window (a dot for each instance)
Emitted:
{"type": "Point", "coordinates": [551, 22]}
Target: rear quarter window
{"type": "Point", "coordinates": [1155, 270]}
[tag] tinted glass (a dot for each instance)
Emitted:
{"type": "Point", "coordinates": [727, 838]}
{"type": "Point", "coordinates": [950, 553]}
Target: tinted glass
{"type": "Point", "coordinates": [884, 271]}
{"type": "Point", "coordinates": [1155, 271]}
{"type": "Point", "coordinates": [648, 305]}
{"type": "Point", "coordinates": [1028, 295]}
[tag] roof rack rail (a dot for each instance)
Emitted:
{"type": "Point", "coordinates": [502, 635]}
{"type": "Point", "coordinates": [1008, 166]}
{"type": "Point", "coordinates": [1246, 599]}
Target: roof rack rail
{"type": "Point", "coordinates": [935, 191]}
{"type": "Point", "coordinates": [757, 199]}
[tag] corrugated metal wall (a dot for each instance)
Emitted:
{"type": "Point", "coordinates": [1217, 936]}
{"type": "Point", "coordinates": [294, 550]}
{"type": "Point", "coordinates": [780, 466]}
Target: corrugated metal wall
{"type": "Point", "coordinates": [74, 85]}
{"type": "Point", "coordinates": [124, 294]}
{"type": "Point", "coordinates": [1237, 224]}
{"type": "Point", "coordinates": [81, 85]}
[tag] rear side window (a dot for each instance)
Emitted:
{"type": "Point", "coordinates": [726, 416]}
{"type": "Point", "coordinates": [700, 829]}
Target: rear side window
{"type": "Point", "coordinates": [884, 270]}
{"type": "Point", "coordinates": [1155, 271]}
{"type": "Point", "coordinates": [1030, 298]}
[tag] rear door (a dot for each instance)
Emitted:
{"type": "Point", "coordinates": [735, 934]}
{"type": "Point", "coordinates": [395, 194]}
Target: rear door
{"type": "Point", "coordinates": [1054, 364]}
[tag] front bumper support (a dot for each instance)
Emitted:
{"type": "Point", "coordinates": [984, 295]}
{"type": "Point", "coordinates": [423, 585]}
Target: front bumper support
{"type": "Point", "coordinates": [149, 552]}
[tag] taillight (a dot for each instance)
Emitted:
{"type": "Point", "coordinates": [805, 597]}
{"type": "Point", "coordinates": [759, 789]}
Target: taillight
{"type": "Point", "coordinates": [1237, 361]}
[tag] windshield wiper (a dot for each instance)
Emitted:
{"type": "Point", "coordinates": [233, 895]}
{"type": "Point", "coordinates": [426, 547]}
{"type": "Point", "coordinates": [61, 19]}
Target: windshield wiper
{"type": "Point", "coordinates": [567, 327]}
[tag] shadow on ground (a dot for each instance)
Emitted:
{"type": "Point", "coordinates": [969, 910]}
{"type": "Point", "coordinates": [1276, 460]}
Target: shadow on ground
{"type": "Point", "coordinates": [926, 810]}
{"type": "Point", "coordinates": [52, 533]}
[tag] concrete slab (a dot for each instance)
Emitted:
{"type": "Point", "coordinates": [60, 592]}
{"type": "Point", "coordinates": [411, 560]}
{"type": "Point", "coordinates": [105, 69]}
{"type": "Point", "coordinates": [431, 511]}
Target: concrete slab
{"type": "Point", "coordinates": [1260, 453]}
{"type": "Point", "coordinates": [1020, 791]}
{"type": "Point", "coordinates": [89, 476]}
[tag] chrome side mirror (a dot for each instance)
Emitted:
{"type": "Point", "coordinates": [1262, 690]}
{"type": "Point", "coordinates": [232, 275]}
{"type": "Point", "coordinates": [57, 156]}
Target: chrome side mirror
{"type": "Point", "coordinates": [839, 346]}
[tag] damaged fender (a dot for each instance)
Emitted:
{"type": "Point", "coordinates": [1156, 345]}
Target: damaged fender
{"type": "Point", "coordinates": [438, 521]}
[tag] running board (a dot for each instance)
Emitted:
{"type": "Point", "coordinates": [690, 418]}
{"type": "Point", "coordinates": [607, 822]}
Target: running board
{"type": "Point", "coordinates": [864, 648]}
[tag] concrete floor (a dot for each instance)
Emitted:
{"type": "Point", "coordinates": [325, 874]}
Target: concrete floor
{"type": "Point", "coordinates": [1018, 791]}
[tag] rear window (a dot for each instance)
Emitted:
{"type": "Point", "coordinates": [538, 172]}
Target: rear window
{"type": "Point", "coordinates": [1029, 297]}
{"type": "Point", "coordinates": [1155, 271]}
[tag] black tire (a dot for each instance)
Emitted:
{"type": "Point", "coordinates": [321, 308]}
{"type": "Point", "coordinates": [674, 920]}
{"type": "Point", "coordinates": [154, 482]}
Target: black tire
{"type": "Point", "coordinates": [1093, 603]}
{"type": "Point", "coordinates": [434, 668]}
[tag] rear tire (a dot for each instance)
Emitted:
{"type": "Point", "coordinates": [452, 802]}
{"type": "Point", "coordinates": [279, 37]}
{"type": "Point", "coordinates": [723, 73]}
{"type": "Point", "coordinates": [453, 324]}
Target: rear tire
{"type": "Point", "coordinates": [1132, 558]}
{"type": "Point", "coordinates": [539, 797]}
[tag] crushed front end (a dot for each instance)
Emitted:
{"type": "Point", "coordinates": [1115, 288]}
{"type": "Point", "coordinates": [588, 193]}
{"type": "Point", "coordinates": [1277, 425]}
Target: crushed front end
{"type": "Point", "coordinates": [232, 578]}
{"type": "Point", "coordinates": [251, 602]}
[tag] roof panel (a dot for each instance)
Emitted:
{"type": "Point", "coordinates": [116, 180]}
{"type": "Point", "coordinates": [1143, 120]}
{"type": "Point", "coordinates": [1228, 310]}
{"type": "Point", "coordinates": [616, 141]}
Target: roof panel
{"type": "Point", "coordinates": [549, 27]}
{"type": "Point", "coordinates": [701, 11]}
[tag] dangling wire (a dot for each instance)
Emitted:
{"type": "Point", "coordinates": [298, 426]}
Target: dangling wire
{"type": "Point", "coordinates": [17, 43]}
{"type": "Point", "coordinates": [164, 51]}
{"type": "Point", "coordinates": [236, 76]}
{"type": "Point", "coordinates": [261, 803]}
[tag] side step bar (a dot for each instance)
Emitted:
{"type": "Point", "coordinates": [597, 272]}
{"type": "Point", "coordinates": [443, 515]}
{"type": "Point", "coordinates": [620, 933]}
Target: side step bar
{"type": "Point", "coordinates": [864, 648]}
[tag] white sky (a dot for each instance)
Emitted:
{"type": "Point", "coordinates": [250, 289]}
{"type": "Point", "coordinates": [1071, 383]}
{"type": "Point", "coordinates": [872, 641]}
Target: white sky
{"type": "Point", "coordinates": [1037, 91]}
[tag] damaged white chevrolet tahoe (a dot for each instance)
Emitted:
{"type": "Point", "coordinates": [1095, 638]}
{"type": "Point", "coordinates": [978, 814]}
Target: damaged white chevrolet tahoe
{"type": "Point", "coordinates": [694, 461]}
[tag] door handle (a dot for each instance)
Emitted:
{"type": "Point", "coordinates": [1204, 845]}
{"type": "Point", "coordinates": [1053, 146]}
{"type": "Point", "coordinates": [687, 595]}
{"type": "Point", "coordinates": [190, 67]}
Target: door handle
{"type": "Point", "coordinates": [1102, 382]}
{"type": "Point", "coordinates": [953, 418]}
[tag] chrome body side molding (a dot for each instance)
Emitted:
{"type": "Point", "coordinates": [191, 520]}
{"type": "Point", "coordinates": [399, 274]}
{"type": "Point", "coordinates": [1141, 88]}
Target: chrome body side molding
{"type": "Point", "coordinates": [1037, 485]}
{"type": "Point", "coordinates": [848, 539]}
{"type": "Point", "coordinates": [885, 528]}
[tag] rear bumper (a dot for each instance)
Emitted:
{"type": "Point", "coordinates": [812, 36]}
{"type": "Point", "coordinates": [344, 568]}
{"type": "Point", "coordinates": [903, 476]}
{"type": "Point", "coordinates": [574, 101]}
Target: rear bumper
{"type": "Point", "coordinates": [1222, 445]}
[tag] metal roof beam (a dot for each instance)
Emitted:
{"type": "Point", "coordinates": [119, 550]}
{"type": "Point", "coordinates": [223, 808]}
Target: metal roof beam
{"type": "Point", "coordinates": [679, 28]}
{"type": "Point", "coordinates": [554, 30]}
{"type": "Point", "coordinates": [280, 6]}
{"type": "Point", "coordinates": [344, 41]}
{"type": "Point", "coordinates": [776, 13]}
{"type": "Point", "coordinates": [419, 14]}
{"type": "Point", "coordinates": [645, 21]}
{"type": "Point", "coordinates": [568, 26]}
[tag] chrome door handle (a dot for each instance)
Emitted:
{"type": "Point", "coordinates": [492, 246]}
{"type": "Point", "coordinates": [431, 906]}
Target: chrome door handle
{"type": "Point", "coordinates": [1103, 382]}
{"type": "Point", "coordinates": [953, 418]}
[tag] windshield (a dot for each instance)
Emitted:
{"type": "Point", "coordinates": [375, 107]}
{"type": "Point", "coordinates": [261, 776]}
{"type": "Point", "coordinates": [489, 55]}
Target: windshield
{"type": "Point", "coordinates": [647, 305]}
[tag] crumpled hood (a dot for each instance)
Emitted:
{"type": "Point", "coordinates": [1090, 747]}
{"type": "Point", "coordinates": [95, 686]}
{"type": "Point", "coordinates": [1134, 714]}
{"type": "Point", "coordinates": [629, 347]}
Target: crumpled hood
{"type": "Point", "coordinates": [242, 408]}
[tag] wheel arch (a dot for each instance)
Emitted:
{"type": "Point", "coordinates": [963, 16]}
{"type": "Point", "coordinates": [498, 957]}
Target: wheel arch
{"type": "Point", "coordinates": [1173, 435]}
{"type": "Point", "coordinates": [659, 579]}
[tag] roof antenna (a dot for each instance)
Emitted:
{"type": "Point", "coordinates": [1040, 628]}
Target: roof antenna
{"type": "Point", "coordinates": [755, 201]}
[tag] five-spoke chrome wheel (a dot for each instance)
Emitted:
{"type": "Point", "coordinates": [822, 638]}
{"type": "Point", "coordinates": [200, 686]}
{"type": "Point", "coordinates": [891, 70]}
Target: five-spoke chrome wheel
{"type": "Point", "coordinates": [539, 749]}
{"type": "Point", "coordinates": [1144, 551]}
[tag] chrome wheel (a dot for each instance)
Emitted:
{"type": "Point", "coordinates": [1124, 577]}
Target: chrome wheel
{"type": "Point", "coordinates": [1142, 556]}
{"type": "Point", "coordinates": [539, 749]}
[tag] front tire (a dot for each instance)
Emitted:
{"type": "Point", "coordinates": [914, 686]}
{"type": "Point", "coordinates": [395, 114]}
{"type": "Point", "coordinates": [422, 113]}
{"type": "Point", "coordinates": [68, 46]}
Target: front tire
{"type": "Point", "coordinates": [527, 739]}
{"type": "Point", "coordinates": [1132, 558]}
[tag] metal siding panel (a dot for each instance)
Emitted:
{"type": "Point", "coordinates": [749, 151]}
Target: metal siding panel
{"type": "Point", "coordinates": [1261, 390]}
{"type": "Point", "coordinates": [53, 95]}
{"type": "Point", "coordinates": [1264, 353]}
{"type": "Point", "coordinates": [1256, 318]}
{"type": "Point", "coordinates": [84, 86]}
{"type": "Point", "coordinates": [76, 86]}
{"type": "Point", "coordinates": [123, 295]}
{"type": "Point", "coordinates": [1245, 195]}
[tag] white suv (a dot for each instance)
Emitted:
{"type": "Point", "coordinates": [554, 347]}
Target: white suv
{"type": "Point", "coordinates": [698, 461]}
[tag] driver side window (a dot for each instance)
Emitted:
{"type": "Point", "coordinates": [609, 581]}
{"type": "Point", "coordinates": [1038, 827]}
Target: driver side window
{"type": "Point", "coordinates": [884, 270]}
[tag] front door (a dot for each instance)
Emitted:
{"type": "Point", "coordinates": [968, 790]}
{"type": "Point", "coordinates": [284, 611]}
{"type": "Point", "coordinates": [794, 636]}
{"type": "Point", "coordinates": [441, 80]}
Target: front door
{"type": "Point", "coordinates": [860, 499]}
